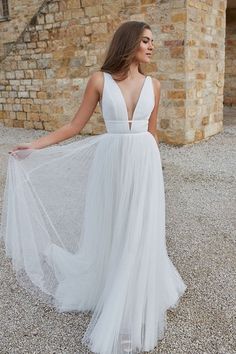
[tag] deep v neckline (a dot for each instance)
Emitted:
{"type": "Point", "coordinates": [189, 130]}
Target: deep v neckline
{"type": "Point", "coordinates": [124, 102]}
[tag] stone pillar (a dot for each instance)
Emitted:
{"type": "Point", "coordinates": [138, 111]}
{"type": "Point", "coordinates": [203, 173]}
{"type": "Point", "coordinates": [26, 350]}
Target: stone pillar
{"type": "Point", "coordinates": [191, 69]}
{"type": "Point", "coordinates": [204, 65]}
{"type": "Point", "coordinates": [171, 20]}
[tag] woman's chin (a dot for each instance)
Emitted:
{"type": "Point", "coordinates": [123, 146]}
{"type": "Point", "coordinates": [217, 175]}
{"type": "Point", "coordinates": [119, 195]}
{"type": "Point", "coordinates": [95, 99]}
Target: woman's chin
{"type": "Point", "coordinates": [146, 60]}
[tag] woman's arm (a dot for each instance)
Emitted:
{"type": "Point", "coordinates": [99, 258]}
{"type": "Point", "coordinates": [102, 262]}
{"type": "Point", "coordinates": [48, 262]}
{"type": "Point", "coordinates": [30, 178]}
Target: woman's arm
{"type": "Point", "coordinates": [153, 118]}
{"type": "Point", "coordinates": [85, 111]}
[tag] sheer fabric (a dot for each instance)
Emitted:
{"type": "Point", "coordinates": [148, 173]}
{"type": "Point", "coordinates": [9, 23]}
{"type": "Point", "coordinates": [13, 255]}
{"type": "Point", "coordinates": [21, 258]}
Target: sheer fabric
{"type": "Point", "coordinates": [84, 224]}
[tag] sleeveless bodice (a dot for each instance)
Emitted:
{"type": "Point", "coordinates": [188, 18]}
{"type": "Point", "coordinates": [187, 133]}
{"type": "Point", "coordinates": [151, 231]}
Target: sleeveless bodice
{"type": "Point", "coordinates": [115, 111]}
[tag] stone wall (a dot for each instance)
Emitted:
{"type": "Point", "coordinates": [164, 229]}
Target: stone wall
{"type": "Point", "coordinates": [45, 74]}
{"type": "Point", "coordinates": [170, 58]}
{"type": "Point", "coordinates": [21, 12]}
{"type": "Point", "coordinates": [204, 65]}
{"type": "Point", "coordinates": [230, 58]}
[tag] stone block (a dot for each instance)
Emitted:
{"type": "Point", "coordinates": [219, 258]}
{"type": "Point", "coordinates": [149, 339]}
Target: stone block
{"type": "Point", "coordinates": [23, 94]}
{"type": "Point", "coordinates": [21, 115]}
{"type": "Point", "coordinates": [12, 115]}
{"type": "Point", "coordinates": [50, 126]}
{"type": "Point", "coordinates": [41, 19]}
{"type": "Point", "coordinates": [43, 63]}
{"type": "Point", "coordinates": [31, 45]}
{"type": "Point", "coordinates": [199, 135]}
{"type": "Point", "coordinates": [54, 7]}
{"type": "Point", "coordinates": [205, 120]}
{"type": "Point", "coordinates": [8, 123]}
{"type": "Point", "coordinates": [176, 94]}
{"type": "Point", "coordinates": [33, 116]}
{"type": "Point", "coordinates": [38, 125]}
{"type": "Point", "coordinates": [35, 108]}
{"type": "Point", "coordinates": [18, 123]}
{"type": "Point", "coordinates": [10, 75]}
{"type": "Point", "coordinates": [2, 115]}
{"type": "Point", "coordinates": [43, 35]}
{"type": "Point", "coordinates": [179, 17]}
{"type": "Point", "coordinates": [92, 11]}
{"type": "Point", "coordinates": [177, 52]}
{"type": "Point", "coordinates": [189, 136]}
{"type": "Point", "coordinates": [38, 76]}
{"type": "Point", "coordinates": [32, 65]}
{"type": "Point", "coordinates": [59, 16]}
{"type": "Point", "coordinates": [164, 123]}
{"type": "Point", "coordinates": [213, 128]}
{"type": "Point", "coordinates": [99, 27]}
{"type": "Point", "coordinates": [174, 43]}
{"type": "Point", "coordinates": [86, 3]}
{"type": "Point", "coordinates": [19, 74]}
{"type": "Point", "coordinates": [44, 117]}
{"type": "Point", "coordinates": [167, 28]}
{"type": "Point", "coordinates": [26, 108]}
{"type": "Point", "coordinates": [42, 95]}
{"type": "Point", "coordinates": [49, 18]}
{"type": "Point", "coordinates": [28, 124]}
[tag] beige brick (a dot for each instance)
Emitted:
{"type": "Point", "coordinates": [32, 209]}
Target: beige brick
{"type": "Point", "coordinates": [33, 116]}
{"type": "Point", "coordinates": [28, 124]}
{"type": "Point", "coordinates": [179, 17]}
{"type": "Point", "coordinates": [21, 115]}
{"type": "Point", "coordinates": [18, 123]}
{"type": "Point", "coordinates": [67, 42]}
{"type": "Point", "coordinates": [8, 123]}
{"type": "Point", "coordinates": [38, 125]}
{"type": "Point", "coordinates": [205, 120]}
{"type": "Point", "coordinates": [176, 94]}
{"type": "Point", "coordinates": [93, 10]}
{"type": "Point", "coordinates": [49, 18]}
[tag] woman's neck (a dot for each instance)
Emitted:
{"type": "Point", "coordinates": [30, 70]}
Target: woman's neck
{"type": "Point", "coordinates": [133, 71]}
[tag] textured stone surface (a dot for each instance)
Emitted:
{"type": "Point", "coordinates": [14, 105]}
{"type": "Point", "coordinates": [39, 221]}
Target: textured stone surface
{"type": "Point", "coordinates": [66, 41]}
{"type": "Point", "coordinates": [200, 231]}
{"type": "Point", "coordinates": [21, 13]}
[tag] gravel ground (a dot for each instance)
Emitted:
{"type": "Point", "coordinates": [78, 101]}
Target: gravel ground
{"type": "Point", "coordinates": [200, 201]}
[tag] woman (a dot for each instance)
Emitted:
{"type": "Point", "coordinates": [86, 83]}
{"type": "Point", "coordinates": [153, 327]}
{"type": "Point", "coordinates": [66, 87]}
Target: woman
{"type": "Point", "coordinates": [84, 222]}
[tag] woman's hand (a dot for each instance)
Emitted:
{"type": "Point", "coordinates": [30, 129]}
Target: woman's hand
{"type": "Point", "coordinates": [21, 147]}
{"type": "Point", "coordinates": [20, 151]}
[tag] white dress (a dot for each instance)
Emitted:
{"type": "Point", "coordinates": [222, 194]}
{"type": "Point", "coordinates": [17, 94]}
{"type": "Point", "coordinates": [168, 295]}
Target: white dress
{"type": "Point", "coordinates": [84, 224]}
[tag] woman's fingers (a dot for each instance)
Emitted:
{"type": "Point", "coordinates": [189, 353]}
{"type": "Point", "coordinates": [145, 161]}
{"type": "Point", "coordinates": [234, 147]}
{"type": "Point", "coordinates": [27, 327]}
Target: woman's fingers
{"type": "Point", "coordinates": [21, 151]}
{"type": "Point", "coordinates": [21, 154]}
{"type": "Point", "coordinates": [19, 147]}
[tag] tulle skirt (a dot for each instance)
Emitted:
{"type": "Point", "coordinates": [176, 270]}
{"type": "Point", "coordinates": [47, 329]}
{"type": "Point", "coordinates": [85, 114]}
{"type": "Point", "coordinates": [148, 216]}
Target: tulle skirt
{"type": "Point", "coordinates": [84, 224]}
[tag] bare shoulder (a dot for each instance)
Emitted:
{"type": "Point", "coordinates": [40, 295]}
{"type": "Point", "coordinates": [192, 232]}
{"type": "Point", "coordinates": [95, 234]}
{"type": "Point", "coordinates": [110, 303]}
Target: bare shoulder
{"type": "Point", "coordinates": [156, 83]}
{"type": "Point", "coordinates": [96, 81]}
{"type": "Point", "coordinates": [97, 78]}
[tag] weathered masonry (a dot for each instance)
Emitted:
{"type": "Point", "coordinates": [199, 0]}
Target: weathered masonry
{"type": "Point", "coordinates": [49, 48]}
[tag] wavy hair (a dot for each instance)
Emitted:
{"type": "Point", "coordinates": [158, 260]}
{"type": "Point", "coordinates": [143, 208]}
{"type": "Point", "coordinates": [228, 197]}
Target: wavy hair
{"type": "Point", "coordinates": [123, 47]}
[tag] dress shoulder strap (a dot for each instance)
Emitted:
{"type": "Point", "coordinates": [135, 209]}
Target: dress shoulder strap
{"type": "Point", "coordinates": [105, 75]}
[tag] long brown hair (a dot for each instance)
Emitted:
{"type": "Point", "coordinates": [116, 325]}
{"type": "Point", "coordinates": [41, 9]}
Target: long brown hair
{"type": "Point", "coordinates": [123, 47]}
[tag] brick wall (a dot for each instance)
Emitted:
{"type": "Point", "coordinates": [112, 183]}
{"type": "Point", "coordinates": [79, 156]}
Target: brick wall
{"type": "Point", "coordinates": [204, 63]}
{"type": "Point", "coordinates": [21, 12]}
{"type": "Point", "coordinates": [44, 75]}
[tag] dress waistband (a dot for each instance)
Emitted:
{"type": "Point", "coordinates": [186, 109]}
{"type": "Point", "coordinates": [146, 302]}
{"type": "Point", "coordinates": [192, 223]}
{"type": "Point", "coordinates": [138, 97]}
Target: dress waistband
{"type": "Point", "coordinates": [138, 126]}
{"type": "Point", "coordinates": [127, 133]}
